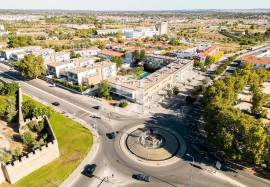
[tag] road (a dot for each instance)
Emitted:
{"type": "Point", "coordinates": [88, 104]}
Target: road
{"type": "Point", "coordinates": [111, 160]}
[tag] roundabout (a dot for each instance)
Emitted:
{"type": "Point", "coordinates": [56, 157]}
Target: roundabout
{"type": "Point", "coordinates": [152, 145]}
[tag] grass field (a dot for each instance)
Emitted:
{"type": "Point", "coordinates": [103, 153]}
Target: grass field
{"type": "Point", "coordinates": [74, 142]}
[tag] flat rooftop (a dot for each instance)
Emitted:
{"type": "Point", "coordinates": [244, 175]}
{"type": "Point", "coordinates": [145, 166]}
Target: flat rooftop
{"type": "Point", "coordinates": [152, 79]}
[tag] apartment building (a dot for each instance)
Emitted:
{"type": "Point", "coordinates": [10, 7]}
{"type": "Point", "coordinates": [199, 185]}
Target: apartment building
{"type": "Point", "coordinates": [9, 53]}
{"type": "Point", "coordinates": [59, 69]}
{"type": "Point", "coordinates": [142, 91]}
{"type": "Point", "coordinates": [159, 60]}
{"type": "Point", "coordinates": [92, 74]}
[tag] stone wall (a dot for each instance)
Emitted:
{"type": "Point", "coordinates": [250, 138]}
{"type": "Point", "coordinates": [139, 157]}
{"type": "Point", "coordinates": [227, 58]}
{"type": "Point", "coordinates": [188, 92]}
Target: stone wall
{"type": "Point", "coordinates": [34, 160]}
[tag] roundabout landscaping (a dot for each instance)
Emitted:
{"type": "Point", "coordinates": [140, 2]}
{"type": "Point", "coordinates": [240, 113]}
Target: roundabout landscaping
{"type": "Point", "coordinates": [152, 145]}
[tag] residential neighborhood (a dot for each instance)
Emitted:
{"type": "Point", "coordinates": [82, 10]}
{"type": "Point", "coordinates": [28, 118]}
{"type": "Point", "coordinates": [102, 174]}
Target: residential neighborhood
{"type": "Point", "coordinates": [123, 93]}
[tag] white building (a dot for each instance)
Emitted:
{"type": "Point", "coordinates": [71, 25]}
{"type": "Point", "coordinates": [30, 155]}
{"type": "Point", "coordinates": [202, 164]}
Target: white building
{"type": "Point", "coordinates": [187, 53]}
{"type": "Point", "coordinates": [92, 74]}
{"type": "Point", "coordinates": [93, 51]}
{"type": "Point", "coordinates": [162, 28]}
{"type": "Point", "coordinates": [57, 68]}
{"type": "Point", "coordinates": [8, 53]}
{"type": "Point", "coordinates": [142, 91]}
{"type": "Point", "coordinates": [140, 33]}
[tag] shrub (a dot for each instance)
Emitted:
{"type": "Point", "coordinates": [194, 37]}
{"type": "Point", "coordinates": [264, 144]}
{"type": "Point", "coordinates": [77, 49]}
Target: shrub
{"type": "Point", "coordinates": [123, 103]}
{"type": "Point", "coordinates": [17, 151]}
{"type": "Point", "coordinates": [28, 137]}
{"type": "Point", "coordinates": [6, 157]}
{"type": "Point", "coordinates": [176, 90]}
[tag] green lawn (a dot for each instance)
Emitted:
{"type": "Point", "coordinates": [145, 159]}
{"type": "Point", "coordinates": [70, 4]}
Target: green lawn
{"type": "Point", "coordinates": [74, 142]}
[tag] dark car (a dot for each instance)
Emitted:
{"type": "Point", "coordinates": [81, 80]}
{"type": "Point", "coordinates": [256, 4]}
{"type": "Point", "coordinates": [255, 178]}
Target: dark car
{"type": "Point", "coordinates": [111, 135]}
{"type": "Point", "coordinates": [141, 177]}
{"type": "Point", "coordinates": [97, 107]}
{"type": "Point", "coordinates": [55, 103]}
{"type": "Point", "coordinates": [89, 170]}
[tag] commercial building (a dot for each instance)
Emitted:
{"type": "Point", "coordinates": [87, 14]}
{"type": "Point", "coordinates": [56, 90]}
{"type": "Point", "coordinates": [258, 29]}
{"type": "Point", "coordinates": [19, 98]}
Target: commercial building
{"type": "Point", "coordinates": [142, 91]}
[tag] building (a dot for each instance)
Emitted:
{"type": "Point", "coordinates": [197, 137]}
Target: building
{"type": "Point", "coordinates": [162, 28]}
{"type": "Point", "coordinates": [108, 54]}
{"type": "Point", "coordinates": [92, 74]}
{"type": "Point", "coordinates": [158, 60]}
{"type": "Point", "coordinates": [208, 52]}
{"type": "Point", "coordinates": [142, 91]}
{"type": "Point", "coordinates": [140, 33]}
{"type": "Point", "coordinates": [59, 69]}
{"type": "Point", "coordinates": [93, 51]}
{"type": "Point", "coordinates": [187, 53]}
{"type": "Point", "coordinates": [258, 61]}
{"type": "Point", "coordinates": [109, 31]}
{"type": "Point", "coordinates": [9, 53]}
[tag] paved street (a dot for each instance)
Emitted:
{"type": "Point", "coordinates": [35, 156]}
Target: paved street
{"type": "Point", "coordinates": [110, 158]}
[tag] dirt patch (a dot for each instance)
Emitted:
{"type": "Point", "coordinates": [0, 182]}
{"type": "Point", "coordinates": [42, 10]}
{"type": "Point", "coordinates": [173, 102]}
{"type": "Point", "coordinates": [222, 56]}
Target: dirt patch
{"type": "Point", "coordinates": [75, 156]}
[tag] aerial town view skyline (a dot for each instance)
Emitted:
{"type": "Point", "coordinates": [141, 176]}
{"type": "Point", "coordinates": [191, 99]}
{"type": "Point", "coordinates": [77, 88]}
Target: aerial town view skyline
{"type": "Point", "coordinates": [135, 93]}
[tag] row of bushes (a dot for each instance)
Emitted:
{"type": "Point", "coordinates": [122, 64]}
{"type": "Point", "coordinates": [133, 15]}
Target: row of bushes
{"type": "Point", "coordinates": [72, 86]}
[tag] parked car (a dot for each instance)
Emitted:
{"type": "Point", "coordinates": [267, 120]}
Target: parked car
{"type": "Point", "coordinates": [55, 103]}
{"type": "Point", "coordinates": [89, 170]}
{"type": "Point", "coordinates": [141, 177]}
{"type": "Point", "coordinates": [111, 135]}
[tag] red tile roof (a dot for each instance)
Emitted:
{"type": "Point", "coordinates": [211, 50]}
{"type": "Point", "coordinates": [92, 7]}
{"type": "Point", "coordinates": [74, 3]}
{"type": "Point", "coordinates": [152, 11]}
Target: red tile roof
{"type": "Point", "coordinates": [111, 53]}
{"type": "Point", "coordinates": [254, 59]}
{"type": "Point", "coordinates": [208, 51]}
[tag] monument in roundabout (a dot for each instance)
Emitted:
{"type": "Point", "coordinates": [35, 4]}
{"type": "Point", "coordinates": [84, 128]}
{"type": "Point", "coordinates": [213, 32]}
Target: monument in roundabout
{"type": "Point", "coordinates": [152, 145]}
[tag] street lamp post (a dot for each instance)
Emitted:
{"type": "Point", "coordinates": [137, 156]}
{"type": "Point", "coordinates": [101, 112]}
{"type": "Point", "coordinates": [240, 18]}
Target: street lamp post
{"type": "Point", "coordinates": [190, 178]}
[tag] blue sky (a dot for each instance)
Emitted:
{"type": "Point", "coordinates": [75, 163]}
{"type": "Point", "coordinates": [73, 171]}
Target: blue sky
{"type": "Point", "coordinates": [133, 4]}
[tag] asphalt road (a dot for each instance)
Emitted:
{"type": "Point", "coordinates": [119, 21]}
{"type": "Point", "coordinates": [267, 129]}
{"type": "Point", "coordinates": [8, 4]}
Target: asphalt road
{"type": "Point", "coordinates": [110, 159]}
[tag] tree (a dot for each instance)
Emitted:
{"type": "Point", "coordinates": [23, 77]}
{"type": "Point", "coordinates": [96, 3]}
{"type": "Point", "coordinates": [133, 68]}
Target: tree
{"type": "Point", "coordinates": [32, 66]}
{"type": "Point", "coordinates": [104, 89]}
{"type": "Point", "coordinates": [74, 55]}
{"type": "Point", "coordinates": [8, 107]}
{"type": "Point", "coordinates": [259, 99]}
{"type": "Point", "coordinates": [20, 41]}
{"type": "Point", "coordinates": [118, 61]}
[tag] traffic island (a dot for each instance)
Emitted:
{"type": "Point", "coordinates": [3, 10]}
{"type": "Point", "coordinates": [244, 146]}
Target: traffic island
{"type": "Point", "coordinates": [153, 145]}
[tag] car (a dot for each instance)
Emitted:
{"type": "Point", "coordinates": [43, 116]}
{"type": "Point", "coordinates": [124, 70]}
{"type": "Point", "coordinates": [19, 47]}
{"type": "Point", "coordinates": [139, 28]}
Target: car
{"type": "Point", "coordinates": [97, 107]}
{"type": "Point", "coordinates": [55, 103]}
{"type": "Point", "coordinates": [141, 177]}
{"type": "Point", "coordinates": [111, 135]}
{"type": "Point", "coordinates": [89, 170]}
